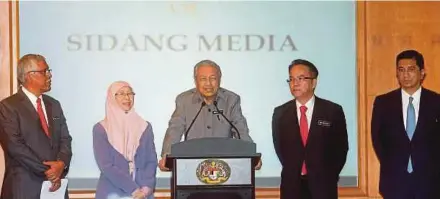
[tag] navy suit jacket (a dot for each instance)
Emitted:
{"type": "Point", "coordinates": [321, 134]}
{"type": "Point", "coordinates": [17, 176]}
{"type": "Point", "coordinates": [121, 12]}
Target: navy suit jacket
{"type": "Point", "coordinates": [26, 145]}
{"type": "Point", "coordinates": [393, 147]}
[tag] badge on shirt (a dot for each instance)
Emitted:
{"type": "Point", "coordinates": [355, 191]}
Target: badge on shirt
{"type": "Point", "coordinates": [324, 123]}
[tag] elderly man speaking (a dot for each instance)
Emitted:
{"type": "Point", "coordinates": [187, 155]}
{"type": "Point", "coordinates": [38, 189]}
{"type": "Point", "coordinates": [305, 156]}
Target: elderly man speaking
{"type": "Point", "coordinates": [197, 112]}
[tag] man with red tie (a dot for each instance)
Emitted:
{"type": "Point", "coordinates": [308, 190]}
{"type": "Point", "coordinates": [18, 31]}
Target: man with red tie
{"type": "Point", "coordinates": [310, 138]}
{"type": "Point", "coordinates": [33, 133]}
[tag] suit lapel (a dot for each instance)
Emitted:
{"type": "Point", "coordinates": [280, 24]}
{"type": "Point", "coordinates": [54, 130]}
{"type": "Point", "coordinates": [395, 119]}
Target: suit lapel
{"type": "Point", "coordinates": [29, 107]}
{"type": "Point", "coordinates": [290, 123]}
{"type": "Point", "coordinates": [48, 105]}
{"type": "Point", "coordinates": [313, 121]}
{"type": "Point", "coordinates": [399, 110]}
{"type": "Point", "coordinates": [423, 111]}
{"type": "Point", "coordinates": [315, 114]}
{"type": "Point", "coordinates": [295, 124]}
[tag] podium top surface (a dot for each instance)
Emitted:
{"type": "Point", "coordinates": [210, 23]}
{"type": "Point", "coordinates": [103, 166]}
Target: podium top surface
{"type": "Point", "coordinates": [214, 147]}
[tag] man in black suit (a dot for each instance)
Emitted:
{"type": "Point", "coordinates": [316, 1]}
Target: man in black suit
{"type": "Point", "coordinates": [33, 133]}
{"type": "Point", "coordinates": [405, 131]}
{"type": "Point", "coordinates": [311, 159]}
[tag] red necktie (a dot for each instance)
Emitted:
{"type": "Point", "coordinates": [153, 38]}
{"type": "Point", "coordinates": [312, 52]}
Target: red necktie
{"type": "Point", "coordinates": [42, 117]}
{"type": "Point", "coordinates": [304, 129]}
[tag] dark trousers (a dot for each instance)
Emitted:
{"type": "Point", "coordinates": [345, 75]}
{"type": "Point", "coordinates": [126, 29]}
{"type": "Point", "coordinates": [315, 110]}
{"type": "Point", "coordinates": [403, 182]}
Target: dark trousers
{"type": "Point", "coordinates": [305, 191]}
{"type": "Point", "coordinates": [408, 189]}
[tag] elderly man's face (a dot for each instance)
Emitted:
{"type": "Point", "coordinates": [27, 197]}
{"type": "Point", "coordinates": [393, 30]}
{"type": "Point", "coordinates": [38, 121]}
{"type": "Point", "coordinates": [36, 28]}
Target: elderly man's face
{"type": "Point", "coordinates": [40, 77]}
{"type": "Point", "coordinates": [207, 81]}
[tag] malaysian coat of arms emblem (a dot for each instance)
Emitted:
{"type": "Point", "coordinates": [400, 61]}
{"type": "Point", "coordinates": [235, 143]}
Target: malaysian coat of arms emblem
{"type": "Point", "coordinates": [213, 172]}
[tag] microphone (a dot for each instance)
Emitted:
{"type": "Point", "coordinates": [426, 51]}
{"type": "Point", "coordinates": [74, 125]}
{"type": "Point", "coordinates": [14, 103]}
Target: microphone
{"type": "Point", "coordinates": [187, 130]}
{"type": "Point", "coordinates": [230, 123]}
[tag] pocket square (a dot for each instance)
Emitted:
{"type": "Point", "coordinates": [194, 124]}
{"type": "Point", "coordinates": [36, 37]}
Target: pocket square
{"type": "Point", "coordinates": [324, 123]}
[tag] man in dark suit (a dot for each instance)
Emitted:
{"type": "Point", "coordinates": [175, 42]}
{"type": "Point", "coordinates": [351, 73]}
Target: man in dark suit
{"type": "Point", "coordinates": [311, 159]}
{"type": "Point", "coordinates": [405, 130]}
{"type": "Point", "coordinates": [33, 134]}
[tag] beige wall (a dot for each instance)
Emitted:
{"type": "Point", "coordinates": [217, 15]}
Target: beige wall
{"type": "Point", "coordinates": [383, 30]}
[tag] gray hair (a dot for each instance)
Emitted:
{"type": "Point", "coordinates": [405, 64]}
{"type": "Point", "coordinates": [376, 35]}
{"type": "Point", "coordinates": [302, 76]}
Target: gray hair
{"type": "Point", "coordinates": [207, 62]}
{"type": "Point", "coordinates": [26, 64]}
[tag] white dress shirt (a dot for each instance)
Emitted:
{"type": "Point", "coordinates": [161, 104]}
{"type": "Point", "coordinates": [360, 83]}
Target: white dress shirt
{"type": "Point", "coordinates": [416, 103]}
{"type": "Point", "coordinates": [33, 100]}
{"type": "Point", "coordinates": [309, 104]}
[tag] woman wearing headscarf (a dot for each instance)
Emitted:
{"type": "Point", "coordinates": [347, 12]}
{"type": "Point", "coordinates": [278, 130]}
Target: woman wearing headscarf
{"type": "Point", "coordinates": [124, 149]}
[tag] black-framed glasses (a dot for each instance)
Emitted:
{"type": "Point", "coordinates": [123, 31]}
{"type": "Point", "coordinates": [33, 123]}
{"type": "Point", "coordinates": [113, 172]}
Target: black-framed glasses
{"type": "Point", "coordinates": [44, 71]}
{"type": "Point", "coordinates": [298, 79]}
{"type": "Point", "coordinates": [130, 95]}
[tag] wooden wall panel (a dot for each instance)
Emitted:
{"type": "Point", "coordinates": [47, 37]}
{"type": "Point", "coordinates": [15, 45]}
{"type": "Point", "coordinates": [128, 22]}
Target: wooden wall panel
{"type": "Point", "coordinates": [392, 27]}
{"type": "Point", "coordinates": [395, 26]}
{"type": "Point", "coordinates": [8, 56]}
{"type": "Point", "coordinates": [5, 76]}
{"type": "Point", "coordinates": [8, 47]}
{"type": "Point", "coordinates": [363, 180]}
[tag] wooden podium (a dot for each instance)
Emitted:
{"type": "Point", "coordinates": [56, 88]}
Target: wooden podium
{"type": "Point", "coordinates": [213, 168]}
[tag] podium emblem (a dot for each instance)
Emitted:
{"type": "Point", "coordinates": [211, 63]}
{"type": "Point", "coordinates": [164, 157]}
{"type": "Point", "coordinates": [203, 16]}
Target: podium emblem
{"type": "Point", "coordinates": [213, 172]}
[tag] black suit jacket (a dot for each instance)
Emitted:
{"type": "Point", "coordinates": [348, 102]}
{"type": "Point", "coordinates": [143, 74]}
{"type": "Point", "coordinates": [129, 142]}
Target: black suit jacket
{"type": "Point", "coordinates": [26, 145]}
{"type": "Point", "coordinates": [325, 152]}
{"type": "Point", "coordinates": [393, 147]}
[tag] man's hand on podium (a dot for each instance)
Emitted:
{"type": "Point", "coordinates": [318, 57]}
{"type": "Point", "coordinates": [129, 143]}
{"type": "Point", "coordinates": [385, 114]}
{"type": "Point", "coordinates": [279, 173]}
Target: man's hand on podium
{"type": "Point", "coordinates": [162, 164]}
{"type": "Point", "coordinates": [258, 166]}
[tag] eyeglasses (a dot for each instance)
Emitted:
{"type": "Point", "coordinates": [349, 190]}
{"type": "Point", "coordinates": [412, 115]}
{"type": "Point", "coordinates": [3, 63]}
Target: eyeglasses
{"type": "Point", "coordinates": [130, 95]}
{"type": "Point", "coordinates": [299, 79]}
{"type": "Point", "coordinates": [44, 71]}
{"type": "Point", "coordinates": [204, 80]}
